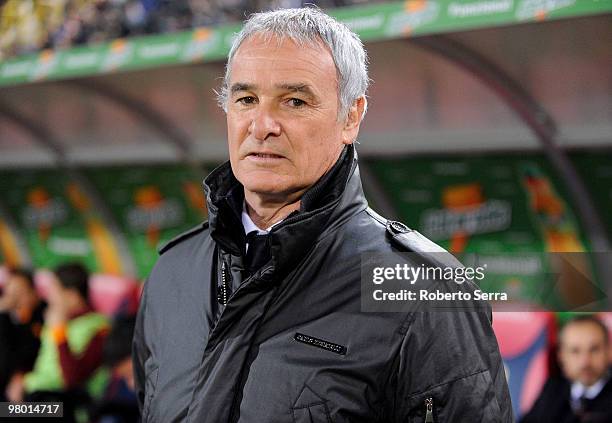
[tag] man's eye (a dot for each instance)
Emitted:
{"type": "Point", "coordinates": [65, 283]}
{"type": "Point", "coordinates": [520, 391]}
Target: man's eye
{"type": "Point", "coordinates": [296, 102]}
{"type": "Point", "coordinates": [246, 100]}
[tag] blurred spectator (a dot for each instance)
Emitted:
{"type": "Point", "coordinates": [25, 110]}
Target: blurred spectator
{"type": "Point", "coordinates": [584, 392]}
{"type": "Point", "coordinates": [25, 25]}
{"type": "Point", "coordinates": [119, 404]}
{"type": "Point", "coordinates": [21, 318]}
{"type": "Point", "coordinates": [31, 25]}
{"type": "Point", "coordinates": [72, 339]}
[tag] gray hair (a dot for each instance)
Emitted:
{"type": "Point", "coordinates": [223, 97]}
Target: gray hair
{"type": "Point", "coordinates": [307, 25]}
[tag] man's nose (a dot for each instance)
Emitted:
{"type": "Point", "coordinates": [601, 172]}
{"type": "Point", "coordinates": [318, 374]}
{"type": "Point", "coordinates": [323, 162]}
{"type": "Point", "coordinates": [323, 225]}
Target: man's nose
{"type": "Point", "coordinates": [584, 359]}
{"type": "Point", "coordinates": [264, 124]}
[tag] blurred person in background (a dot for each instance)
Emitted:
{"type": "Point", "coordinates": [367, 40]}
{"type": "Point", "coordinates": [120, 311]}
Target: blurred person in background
{"type": "Point", "coordinates": [67, 368]}
{"type": "Point", "coordinates": [21, 319]}
{"type": "Point", "coordinates": [119, 404]}
{"type": "Point", "coordinates": [583, 394]}
{"type": "Point", "coordinates": [25, 25]}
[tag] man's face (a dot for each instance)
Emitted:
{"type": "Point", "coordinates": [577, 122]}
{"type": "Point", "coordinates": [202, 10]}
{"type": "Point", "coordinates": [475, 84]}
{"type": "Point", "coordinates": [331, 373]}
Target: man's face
{"type": "Point", "coordinates": [584, 354]}
{"type": "Point", "coordinates": [282, 111]}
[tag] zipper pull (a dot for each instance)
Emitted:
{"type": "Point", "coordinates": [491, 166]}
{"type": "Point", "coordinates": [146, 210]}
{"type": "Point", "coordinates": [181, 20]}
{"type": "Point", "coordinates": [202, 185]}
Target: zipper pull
{"type": "Point", "coordinates": [429, 410]}
{"type": "Point", "coordinates": [223, 288]}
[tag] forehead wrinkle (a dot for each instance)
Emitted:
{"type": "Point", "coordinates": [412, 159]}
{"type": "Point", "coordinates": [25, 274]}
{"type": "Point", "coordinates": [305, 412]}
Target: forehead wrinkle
{"type": "Point", "coordinates": [254, 48]}
{"type": "Point", "coordinates": [300, 87]}
{"type": "Point", "coordinates": [242, 86]}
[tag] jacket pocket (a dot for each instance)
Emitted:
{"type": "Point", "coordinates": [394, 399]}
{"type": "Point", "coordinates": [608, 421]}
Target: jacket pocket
{"type": "Point", "coordinates": [150, 386]}
{"type": "Point", "coordinates": [310, 408]}
{"type": "Point", "coordinates": [470, 398]}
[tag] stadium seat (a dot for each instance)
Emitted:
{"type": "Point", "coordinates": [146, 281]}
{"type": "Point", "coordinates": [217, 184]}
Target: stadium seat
{"type": "Point", "coordinates": [524, 342]}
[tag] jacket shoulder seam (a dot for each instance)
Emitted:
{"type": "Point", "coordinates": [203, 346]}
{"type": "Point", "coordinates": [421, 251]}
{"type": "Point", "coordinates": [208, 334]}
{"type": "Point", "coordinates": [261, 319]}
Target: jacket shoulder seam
{"type": "Point", "coordinates": [182, 237]}
{"type": "Point", "coordinates": [411, 241]}
{"type": "Point", "coordinates": [375, 216]}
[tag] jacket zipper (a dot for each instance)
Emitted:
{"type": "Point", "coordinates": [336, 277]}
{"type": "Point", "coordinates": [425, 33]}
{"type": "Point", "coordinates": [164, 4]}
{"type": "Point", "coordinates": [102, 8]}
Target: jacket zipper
{"type": "Point", "coordinates": [235, 406]}
{"type": "Point", "coordinates": [222, 290]}
{"type": "Point", "coordinates": [429, 410]}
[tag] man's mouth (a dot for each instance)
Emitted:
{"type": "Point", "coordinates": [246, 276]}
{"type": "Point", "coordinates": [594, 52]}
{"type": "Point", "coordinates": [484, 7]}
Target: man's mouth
{"type": "Point", "coordinates": [264, 156]}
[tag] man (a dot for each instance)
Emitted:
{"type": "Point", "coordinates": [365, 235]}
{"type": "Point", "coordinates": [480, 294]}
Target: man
{"type": "Point", "coordinates": [255, 316]}
{"type": "Point", "coordinates": [72, 341]}
{"type": "Point", "coordinates": [584, 392]}
{"type": "Point", "coordinates": [21, 318]}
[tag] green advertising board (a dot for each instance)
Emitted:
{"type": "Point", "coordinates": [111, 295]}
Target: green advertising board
{"type": "Point", "coordinates": [58, 220]}
{"type": "Point", "coordinates": [372, 22]}
{"type": "Point", "coordinates": [595, 170]}
{"type": "Point", "coordinates": [508, 211]}
{"type": "Point", "coordinates": [151, 205]}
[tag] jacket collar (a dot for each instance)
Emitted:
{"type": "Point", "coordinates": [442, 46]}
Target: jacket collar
{"type": "Point", "coordinates": [335, 197]}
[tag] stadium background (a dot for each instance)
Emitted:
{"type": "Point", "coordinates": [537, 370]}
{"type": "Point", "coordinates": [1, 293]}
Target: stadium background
{"type": "Point", "coordinates": [489, 130]}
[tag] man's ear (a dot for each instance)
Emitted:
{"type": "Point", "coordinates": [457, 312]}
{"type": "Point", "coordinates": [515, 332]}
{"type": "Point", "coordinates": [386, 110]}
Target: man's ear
{"type": "Point", "coordinates": [353, 120]}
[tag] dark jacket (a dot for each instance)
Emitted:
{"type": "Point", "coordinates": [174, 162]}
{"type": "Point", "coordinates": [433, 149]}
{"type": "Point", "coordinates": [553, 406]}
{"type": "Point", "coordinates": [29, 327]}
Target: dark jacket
{"type": "Point", "coordinates": [292, 344]}
{"type": "Point", "coordinates": [19, 344]}
{"type": "Point", "coordinates": [554, 405]}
